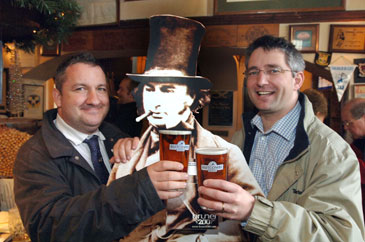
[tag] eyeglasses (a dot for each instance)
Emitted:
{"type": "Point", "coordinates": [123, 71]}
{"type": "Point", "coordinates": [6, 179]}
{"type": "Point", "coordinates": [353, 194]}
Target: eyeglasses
{"type": "Point", "coordinates": [273, 71]}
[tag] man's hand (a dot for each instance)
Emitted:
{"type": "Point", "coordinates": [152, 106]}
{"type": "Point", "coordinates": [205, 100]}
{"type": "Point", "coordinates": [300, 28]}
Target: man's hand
{"type": "Point", "coordinates": [166, 178]}
{"type": "Point", "coordinates": [123, 149]}
{"type": "Point", "coordinates": [231, 201]}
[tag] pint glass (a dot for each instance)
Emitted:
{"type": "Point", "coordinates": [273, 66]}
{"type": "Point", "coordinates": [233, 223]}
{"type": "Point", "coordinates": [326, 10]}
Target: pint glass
{"type": "Point", "coordinates": [211, 164]}
{"type": "Point", "coordinates": [175, 146]}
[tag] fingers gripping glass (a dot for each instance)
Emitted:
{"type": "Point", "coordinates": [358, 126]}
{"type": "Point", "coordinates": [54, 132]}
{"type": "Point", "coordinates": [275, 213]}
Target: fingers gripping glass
{"type": "Point", "coordinates": [273, 71]}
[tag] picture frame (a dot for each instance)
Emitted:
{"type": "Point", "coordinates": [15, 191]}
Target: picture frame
{"type": "Point", "coordinates": [224, 7]}
{"type": "Point", "coordinates": [359, 91]}
{"type": "Point", "coordinates": [52, 49]}
{"type": "Point", "coordinates": [34, 101]}
{"type": "Point", "coordinates": [347, 38]}
{"type": "Point", "coordinates": [220, 109]}
{"type": "Point", "coordinates": [305, 37]}
{"type": "Point", "coordinates": [359, 73]}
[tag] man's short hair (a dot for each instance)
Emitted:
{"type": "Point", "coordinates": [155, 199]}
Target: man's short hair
{"type": "Point", "coordinates": [318, 100]}
{"type": "Point", "coordinates": [84, 57]}
{"type": "Point", "coordinates": [293, 57]}
{"type": "Point", "coordinates": [131, 85]}
{"type": "Point", "coordinates": [357, 108]}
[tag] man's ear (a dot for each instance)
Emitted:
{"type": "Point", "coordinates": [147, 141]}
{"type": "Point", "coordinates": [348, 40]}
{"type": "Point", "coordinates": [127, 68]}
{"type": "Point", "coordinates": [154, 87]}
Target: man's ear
{"type": "Point", "coordinates": [57, 97]}
{"type": "Point", "coordinates": [298, 80]}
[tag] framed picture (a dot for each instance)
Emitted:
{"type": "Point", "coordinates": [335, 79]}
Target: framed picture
{"type": "Point", "coordinates": [221, 108]}
{"type": "Point", "coordinates": [52, 49]}
{"type": "Point", "coordinates": [359, 73]}
{"type": "Point", "coordinates": [34, 101]}
{"type": "Point", "coordinates": [359, 91]}
{"type": "Point", "coordinates": [223, 7]}
{"type": "Point", "coordinates": [5, 75]}
{"type": "Point", "coordinates": [347, 38]}
{"type": "Point", "coordinates": [304, 37]}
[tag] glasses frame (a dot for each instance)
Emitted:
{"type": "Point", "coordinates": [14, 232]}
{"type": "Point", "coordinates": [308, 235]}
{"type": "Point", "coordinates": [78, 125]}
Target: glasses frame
{"type": "Point", "coordinates": [267, 72]}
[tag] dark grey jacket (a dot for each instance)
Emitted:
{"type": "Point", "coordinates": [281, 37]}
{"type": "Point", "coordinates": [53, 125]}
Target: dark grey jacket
{"type": "Point", "coordinates": [61, 199]}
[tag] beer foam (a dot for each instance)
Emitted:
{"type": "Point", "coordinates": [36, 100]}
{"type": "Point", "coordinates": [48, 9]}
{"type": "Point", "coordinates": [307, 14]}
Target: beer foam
{"type": "Point", "coordinates": [211, 150]}
{"type": "Point", "coordinates": [175, 132]}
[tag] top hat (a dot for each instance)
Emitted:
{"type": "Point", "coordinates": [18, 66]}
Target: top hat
{"type": "Point", "coordinates": [173, 52]}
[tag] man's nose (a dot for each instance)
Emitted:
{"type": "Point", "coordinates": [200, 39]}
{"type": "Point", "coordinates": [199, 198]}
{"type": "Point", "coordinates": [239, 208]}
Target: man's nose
{"type": "Point", "coordinates": [92, 97]}
{"type": "Point", "coordinates": [262, 78]}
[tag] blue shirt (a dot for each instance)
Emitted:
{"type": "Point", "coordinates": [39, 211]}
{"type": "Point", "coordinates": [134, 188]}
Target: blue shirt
{"type": "Point", "coordinates": [270, 148]}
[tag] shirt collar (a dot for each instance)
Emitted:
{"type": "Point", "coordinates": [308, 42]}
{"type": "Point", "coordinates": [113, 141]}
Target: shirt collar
{"type": "Point", "coordinates": [74, 136]}
{"type": "Point", "coordinates": [284, 127]}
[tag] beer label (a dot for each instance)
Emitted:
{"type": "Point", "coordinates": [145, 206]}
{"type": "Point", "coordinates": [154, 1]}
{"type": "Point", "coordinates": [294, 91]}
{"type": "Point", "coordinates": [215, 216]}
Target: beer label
{"type": "Point", "coordinates": [179, 147]}
{"type": "Point", "coordinates": [192, 168]}
{"type": "Point", "coordinates": [212, 167]}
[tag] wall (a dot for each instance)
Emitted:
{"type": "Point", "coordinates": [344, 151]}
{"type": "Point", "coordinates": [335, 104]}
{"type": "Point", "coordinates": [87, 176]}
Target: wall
{"type": "Point", "coordinates": [101, 12]}
{"type": "Point", "coordinates": [324, 32]}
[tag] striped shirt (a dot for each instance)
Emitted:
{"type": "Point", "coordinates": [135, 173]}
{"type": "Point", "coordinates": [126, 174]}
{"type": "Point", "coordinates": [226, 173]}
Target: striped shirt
{"type": "Point", "coordinates": [272, 147]}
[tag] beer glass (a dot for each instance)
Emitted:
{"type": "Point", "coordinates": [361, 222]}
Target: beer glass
{"type": "Point", "coordinates": [175, 146]}
{"type": "Point", "coordinates": [211, 164]}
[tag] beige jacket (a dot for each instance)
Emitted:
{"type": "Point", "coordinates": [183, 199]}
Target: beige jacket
{"type": "Point", "coordinates": [316, 193]}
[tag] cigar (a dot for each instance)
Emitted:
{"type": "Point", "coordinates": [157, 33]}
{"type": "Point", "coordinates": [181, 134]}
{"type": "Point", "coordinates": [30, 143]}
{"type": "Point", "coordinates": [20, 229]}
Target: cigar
{"type": "Point", "coordinates": [145, 115]}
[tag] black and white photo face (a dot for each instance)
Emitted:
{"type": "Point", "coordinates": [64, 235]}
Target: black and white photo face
{"type": "Point", "coordinates": [168, 104]}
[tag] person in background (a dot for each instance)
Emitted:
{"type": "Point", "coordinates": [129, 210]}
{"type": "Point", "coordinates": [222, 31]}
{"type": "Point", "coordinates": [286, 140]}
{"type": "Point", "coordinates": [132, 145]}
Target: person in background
{"type": "Point", "coordinates": [319, 103]}
{"type": "Point", "coordinates": [123, 114]}
{"type": "Point", "coordinates": [59, 174]}
{"type": "Point", "coordinates": [308, 173]}
{"type": "Point", "coordinates": [353, 119]}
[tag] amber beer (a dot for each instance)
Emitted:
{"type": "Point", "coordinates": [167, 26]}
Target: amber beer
{"type": "Point", "coordinates": [211, 164]}
{"type": "Point", "coordinates": [175, 146]}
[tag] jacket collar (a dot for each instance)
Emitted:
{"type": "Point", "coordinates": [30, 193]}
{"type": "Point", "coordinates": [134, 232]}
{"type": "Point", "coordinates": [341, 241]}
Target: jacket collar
{"type": "Point", "coordinates": [301, 141]}
{"type": "Point", "coordinates": [61, 147]}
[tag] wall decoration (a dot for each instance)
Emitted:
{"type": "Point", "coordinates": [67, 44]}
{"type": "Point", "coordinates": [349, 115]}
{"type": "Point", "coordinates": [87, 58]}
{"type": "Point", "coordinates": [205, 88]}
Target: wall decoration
{"type": "Point", "coordinates": [221, 108]}
{"type": "Point", "coordinates": [40, 21]}
{"type": "Point", "coordinates": [359, 75]}
{"type": "Point", "coordinates": [34, 99]}
{"type": "Point", "coordinates": [304, 37]}
{"type": "Point", "coordinates": [15, 98]}
{"type": "Point", "coordinates": [322, 58]}
{"type": "Point", "coordinates": [51, 49]}
{"type": "Point", "coordinates": [270, 6]}
{"type": "Point", "coordinates": [359, 91]}
{"type": "Point", "coordinates": [347, 38]}
{"type": "Point", "coordinates": [341, 75]}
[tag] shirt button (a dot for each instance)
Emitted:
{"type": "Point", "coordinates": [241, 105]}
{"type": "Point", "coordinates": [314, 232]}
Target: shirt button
{"type": "Point", "coordinates": [77, 158]}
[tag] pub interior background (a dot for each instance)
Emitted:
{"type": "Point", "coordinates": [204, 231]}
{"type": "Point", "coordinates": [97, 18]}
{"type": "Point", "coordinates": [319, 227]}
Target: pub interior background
{"type": "Point", "coordinates": [116, 31]}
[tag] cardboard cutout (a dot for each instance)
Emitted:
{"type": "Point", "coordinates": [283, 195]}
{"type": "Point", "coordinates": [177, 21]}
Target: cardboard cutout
{"type": "Point", "coordinates": [168, 93]}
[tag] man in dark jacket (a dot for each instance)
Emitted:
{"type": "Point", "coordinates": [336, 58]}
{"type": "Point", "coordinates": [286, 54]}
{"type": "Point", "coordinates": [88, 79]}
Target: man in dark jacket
{"type": "Point", "coordinates": [123, 112]}
{"type": "Point", "coordinates": [353, 118]}
{"type": "Point", "coordinates": [59, 190]}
